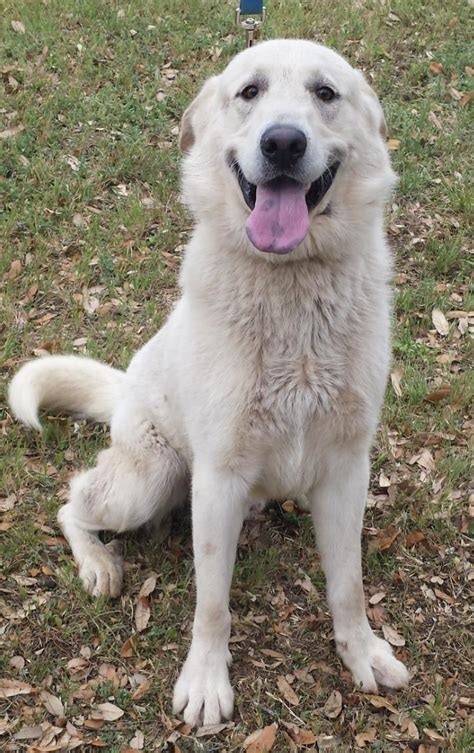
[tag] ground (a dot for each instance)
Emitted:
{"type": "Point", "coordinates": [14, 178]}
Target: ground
{"type": "Point", "coordinates": [92, 236]}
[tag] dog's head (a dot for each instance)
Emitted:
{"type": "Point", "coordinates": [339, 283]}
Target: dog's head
{"type": "Point", "coordinates": [288, 128]}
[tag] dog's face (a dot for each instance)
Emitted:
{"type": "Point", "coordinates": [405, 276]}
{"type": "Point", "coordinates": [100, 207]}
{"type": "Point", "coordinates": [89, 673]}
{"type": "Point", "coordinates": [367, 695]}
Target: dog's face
{"type": "Point", "coordinates": [276, 132]}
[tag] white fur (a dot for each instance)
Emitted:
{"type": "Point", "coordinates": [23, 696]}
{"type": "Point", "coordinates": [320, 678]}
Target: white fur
{"type": "Point", "coordinates": [268, 377]}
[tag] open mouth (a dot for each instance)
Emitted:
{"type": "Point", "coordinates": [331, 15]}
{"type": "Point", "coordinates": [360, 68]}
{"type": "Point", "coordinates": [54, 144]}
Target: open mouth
{"type": "Point", "coordinates": [279, 220]}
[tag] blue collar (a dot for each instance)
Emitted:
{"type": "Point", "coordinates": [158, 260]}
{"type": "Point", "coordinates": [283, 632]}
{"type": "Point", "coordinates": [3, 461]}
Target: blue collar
{"type": "Point", "coordinates": [250, 7]}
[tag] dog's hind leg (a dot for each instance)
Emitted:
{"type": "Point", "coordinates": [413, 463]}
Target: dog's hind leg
{"type": "Point", "coordinates": [139, 478]}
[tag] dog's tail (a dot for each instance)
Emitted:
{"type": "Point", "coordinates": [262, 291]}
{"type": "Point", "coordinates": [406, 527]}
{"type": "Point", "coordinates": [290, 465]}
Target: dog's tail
{"type": "Point", "coordinates": [73, 384]}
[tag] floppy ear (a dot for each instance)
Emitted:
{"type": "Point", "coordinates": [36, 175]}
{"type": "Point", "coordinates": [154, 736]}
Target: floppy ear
{"type": "Point", "coordinates": [373, 107]}
{"type": "Point", "coordinates": [195, 116]}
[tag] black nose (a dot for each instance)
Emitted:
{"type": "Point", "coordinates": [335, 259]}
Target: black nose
{"type": "Point", "coordinates": [283, 145]}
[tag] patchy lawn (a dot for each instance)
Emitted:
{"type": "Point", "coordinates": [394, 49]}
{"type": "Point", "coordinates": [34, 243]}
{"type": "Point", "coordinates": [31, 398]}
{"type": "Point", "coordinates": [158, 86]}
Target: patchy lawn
{"type": "Point", "coordinates": [92, 236]}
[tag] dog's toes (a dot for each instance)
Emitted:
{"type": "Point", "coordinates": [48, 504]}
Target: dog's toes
{"type": "Point", "coordinates": [203, 692]}
{"type": "Point", "coordinates": [101, 572]}
{"type": "Point", "coordinates": [372, 663]}
{"type": "Point", "coordinates": [388, 670]}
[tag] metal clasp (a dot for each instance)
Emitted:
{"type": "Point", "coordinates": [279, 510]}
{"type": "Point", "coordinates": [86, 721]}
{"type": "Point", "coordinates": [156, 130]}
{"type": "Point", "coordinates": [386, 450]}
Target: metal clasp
{"type": "Point", "coordinates": [250, 25]}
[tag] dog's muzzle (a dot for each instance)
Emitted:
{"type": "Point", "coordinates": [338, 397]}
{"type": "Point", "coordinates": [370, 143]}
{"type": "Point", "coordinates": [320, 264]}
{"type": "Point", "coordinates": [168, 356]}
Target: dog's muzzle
{"type": "Point", "coordinates": [279, 220]}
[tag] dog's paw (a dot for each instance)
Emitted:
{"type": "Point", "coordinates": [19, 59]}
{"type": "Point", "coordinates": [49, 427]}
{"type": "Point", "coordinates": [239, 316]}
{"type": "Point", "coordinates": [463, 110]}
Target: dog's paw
{"type": "Point", "coordinates": [372, 662]}
{"type": "Point", "coordinates": [101, 569]}
{"type": "Point", "coordinates": [203, 691]}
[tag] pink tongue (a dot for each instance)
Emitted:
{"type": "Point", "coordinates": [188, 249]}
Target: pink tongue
{"type": "Point", "coordinates": [279, 221]}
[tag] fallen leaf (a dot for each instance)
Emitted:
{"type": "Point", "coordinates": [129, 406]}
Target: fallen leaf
{"type": "Point", "coordinates": [73, 162]}
{"type": "Point", "coordinates": [79, 220]}
{"type": "Point", "coordinates": [9, 688]}
{"type": "Point", "coordinates": [425, 460]}
{"type": "Point", "coordinates": [207, 730]}
{"type": "Point", "coordinates": [142, 690]}
{"type": "Point", "coordinates": [138, 741]}
{"type": "Point", "coordinates": [128, 648]}
{"type": "Point", "coordinates": [29, 733]}
{"type": "Point", "coordinates": [261, 741]}
{"type": "Point", "coordinates": [391, 635]}
{"type": "Point", "coordinates": [384, 481]}
{"type": "Point", "coordinates": [148, 585]}
{"type": "Point", "coordinates": [454, 93]}
{"type": "Point", "coordinates": [107, 711]}
{"type": "Point", "coordinates": [409, 726]}
{"type": "Point", "coordinates": [444, 596]}
{"type": "Point", "coordinates": [436, 68]}
{"type": "Point", "coordinates": [366, 737]}
{"type": "Point", "coordinates": [384, 539]}
{"type": "Point", "coordinates": [396, 377]}
{"type": "Point", "coordinates": [287, 691]}
{"type": "Point", "coordinates": [440, 322]}
{"type": "Point", "coordinates": [304, 676]}
{"type": "Point", "coordinates": [376, 598]}
{"type": "Point", "coordinates": [466, 98]}
{"type": "Point", "coordinates": [142, 613]}
{"type": "Point", "coordinates": [393, 144]}
{"type": "Point", "coordinates": [273, 654]}
{"type": "Point", "coordinates": [379, 702]}
{"type": "Point", "coordinates": [433, 735]}
{"type": "Point", "coordinates": [18, 26]}
{"type": "Point", "coordinates": [299, 735]}
{"type": "Point", "coordinates": [94, 724]}
{"type": "Point", "coordinates": [9, 133]}
{"type": "Point", "coordinates": [17, 662]}
{"type": "Point", "coordinates": [15, 269]}
{"type": "Point", "coordinates": [414, 538]}
{"type": "Point", "coordinates": [333, 705]}
{"type": "Point", "coordinates": [439, 394]}
{"type": "Point", "coordinates": [89, 302]}
{"type": "Point", "coordinates": [52, 703]}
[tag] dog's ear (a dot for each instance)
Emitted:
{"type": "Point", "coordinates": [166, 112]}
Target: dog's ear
{"type": "Point", "coordinates": [373, 107]}
{"type": "Point", "coordinates": [197, 114]}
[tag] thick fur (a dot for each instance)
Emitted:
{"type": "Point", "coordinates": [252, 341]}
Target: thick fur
{"type": "Point", "coordinates": [268, 377]}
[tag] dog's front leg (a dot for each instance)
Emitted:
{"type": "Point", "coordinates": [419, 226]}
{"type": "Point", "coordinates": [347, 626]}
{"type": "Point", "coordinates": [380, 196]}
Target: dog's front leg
{"type": "Point", "coordinates": [337, 504]}
{"type": "Point", "coordinates": [203, 689]}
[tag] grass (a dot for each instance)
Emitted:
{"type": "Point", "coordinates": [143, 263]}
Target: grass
{"type": "Point", "coordinates": [92, 233]}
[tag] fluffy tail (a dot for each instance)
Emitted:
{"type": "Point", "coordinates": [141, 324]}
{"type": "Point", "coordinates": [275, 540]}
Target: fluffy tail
{"type": "Point", "coordinates": [73, 384]}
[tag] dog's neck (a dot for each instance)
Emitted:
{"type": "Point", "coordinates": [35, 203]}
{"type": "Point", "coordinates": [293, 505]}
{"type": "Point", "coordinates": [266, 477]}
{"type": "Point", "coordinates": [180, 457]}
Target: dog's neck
{"type": "Point", "coordinates": [283, 301]}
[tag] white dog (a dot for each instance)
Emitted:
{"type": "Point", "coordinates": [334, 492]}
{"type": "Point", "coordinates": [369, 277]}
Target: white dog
{"type": "Point", "coordinates": [268, 377]}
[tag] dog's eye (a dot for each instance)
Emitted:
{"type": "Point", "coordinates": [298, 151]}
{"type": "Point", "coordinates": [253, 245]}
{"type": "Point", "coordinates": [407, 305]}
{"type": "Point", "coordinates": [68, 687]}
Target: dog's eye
{"type": "Point", "coordinates": [325, 93]}
{"type": "Point", "coordinates": [250, 92]}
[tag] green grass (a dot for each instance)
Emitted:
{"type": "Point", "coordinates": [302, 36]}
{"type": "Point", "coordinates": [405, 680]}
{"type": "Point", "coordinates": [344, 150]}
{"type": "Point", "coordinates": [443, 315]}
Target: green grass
{"type": "Point", "coordinates": [90, 208]}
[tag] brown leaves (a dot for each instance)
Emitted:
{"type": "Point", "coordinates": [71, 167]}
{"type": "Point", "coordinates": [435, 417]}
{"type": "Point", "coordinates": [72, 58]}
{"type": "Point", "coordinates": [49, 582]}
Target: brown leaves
{"type": "Point", "coordinates": [142, 609]}
{"type": "Point", "coordinates": [11, 132]}
{"type": "Point", "coordinates": [396, 378]}
{"type": "Point", "coordinates": [18, 26]}
{"type": "Point", "coordinates": [436, 68]}
{"type": "Point", "coordinates": [287, 691]}
{"type": "Point", "coordinates": [107, 712]}
{"type": "Point", "coordinates": [333, 705]}
{"type": "Point", "coordinates": [391, 635]}
{"type": "Point", "coordinates": [299, 735]}
{"type": "Point", "coordinates": [15, 269]}
{"type": "Point", "coordinates": [128, 648]}
{"type": "Point", "coordinates": [261, 741]}
{"type": "Point", "coordinates": [440, 322]}
{"type": "Point", "coordinates": [438, 394]}
{"type": "Point", "coordinates": [10, 688]}
{"type": "Point", "coordinates": [142, 690]}
{"type": "Point", "coordinates": [379, 702]}
{"type": "Point", "coordinates": [52, 703]}
{"type": "Point", "coordinates": [366, 737]}
{"type": "Point", "coordinates": [384, 539]}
